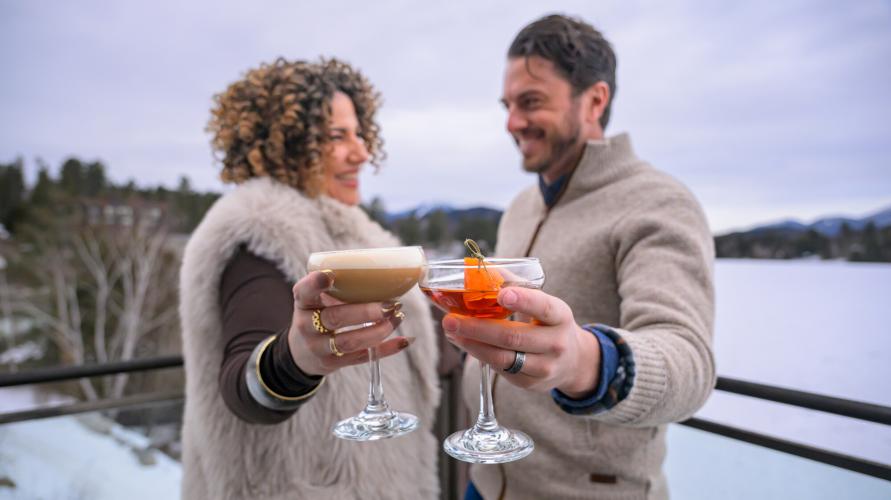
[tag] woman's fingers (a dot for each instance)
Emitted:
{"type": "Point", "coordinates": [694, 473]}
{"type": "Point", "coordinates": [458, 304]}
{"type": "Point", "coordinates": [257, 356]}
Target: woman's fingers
{"type": "Point", "coordinates": [368, 336]}
{"type": "Point", "coordinates": [341, 316]}
{"type": "Point", "coordinates": [308, 291]}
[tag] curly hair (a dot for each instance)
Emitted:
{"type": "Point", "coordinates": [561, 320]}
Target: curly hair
{"type": "Point", "coordinates": [274, 121]}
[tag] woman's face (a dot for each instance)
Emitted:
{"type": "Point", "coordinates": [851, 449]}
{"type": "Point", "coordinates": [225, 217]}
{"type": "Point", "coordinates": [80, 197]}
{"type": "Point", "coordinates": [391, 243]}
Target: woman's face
{"type": "Point", "coordinates": [345, 152]}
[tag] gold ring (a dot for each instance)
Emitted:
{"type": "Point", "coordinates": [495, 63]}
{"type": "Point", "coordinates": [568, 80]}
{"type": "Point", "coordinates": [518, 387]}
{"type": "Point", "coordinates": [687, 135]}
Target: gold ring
{"type": "Point", "coordinates": [333, 346]}
{"type": "Point", "coordinates": [317, 322]}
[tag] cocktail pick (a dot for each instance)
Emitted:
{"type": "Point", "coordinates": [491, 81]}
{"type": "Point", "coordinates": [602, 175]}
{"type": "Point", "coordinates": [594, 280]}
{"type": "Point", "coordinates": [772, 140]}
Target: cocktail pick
{"type": "Point", "coordinates": [483, 278]}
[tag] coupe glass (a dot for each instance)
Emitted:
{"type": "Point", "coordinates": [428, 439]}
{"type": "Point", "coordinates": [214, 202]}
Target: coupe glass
{"type": "Point", "coordinates": [451, 286]}
{"type": "Point", "coordinates": [372, 275]}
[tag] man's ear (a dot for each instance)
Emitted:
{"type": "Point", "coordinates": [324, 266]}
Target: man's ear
{"type": "Point", "coordinates": [596, 98]}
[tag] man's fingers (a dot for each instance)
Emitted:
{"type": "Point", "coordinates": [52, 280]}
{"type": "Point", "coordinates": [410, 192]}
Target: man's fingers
{"type": "Point", "coordinates": [308, 291]}
{"type": "Point", "coordinates": [547, 309]}
{"type": "Point", "coordinates": [510, 335]}
{"type": "Point", "coordinates": [536, 365]}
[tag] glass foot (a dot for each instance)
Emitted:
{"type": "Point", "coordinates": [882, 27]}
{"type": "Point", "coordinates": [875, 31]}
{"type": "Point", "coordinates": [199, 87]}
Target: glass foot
{"type": "Point", "coordinates": [488, 447]}
{"type": "Point", "coordinates": [365, 427]}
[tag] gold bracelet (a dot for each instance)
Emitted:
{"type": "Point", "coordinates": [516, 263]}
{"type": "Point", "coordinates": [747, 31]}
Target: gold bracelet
{"type": "Point", "coordinates": [266, 387]}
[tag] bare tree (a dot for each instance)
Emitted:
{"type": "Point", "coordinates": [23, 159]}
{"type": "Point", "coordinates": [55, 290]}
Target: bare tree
{"type": "Point", "coordinates": [101, 291]}
{"type": "Point", "coordinates": [8, 320]}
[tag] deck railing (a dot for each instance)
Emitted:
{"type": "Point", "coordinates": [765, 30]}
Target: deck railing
{"type": "Point", "coordinates": [449, 415]}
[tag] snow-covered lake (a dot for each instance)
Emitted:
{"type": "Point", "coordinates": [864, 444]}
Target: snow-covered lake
{"type": "Point", "coordinates": [810, 325]}
{"type": "Point", "coordinates": [823, 327]}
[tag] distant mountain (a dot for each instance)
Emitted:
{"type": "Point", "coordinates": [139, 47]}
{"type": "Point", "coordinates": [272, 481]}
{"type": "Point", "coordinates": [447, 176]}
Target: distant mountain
{"type": "Point", "coordinates": [865, 239]}
{"type": "Point", "coordinates": [452, 213]}
{"type": "Point", "coordinates": [440, 225]}
{"type": "Point", "coordinates": [419, 211]}
{"type": "Point", "coordinates": [882, 218]}
{"type": "Point", "coordinates": [827, 226]}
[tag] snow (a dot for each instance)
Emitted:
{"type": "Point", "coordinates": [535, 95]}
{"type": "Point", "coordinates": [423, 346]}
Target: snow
{"type": "Point", "coordinates": [62, 458]}
{"type": "Point", "coordinates": [21, 353]}
{"type": "Point", "coordinates": [703, 466]}
{"type": "Point", "coordinates": [25, 398]}
{"type": "Point", "coordinates": [816, 326]}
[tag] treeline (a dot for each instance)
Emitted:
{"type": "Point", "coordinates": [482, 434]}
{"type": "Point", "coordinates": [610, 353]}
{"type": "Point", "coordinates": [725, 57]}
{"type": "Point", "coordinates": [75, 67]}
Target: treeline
{"type": "Point", "coordinates": [869, 244]}
{"type": "Point", "coordinates": [440, 227]}
{"type": "Point", "coordinates": [78, 183]}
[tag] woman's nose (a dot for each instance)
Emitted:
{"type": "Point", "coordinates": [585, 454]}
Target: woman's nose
{"type": "Point", "coordinates": [359, 153]}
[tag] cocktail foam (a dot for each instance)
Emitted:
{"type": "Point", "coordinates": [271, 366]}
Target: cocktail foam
{"type": "Point", "coordinates": [367, 258]}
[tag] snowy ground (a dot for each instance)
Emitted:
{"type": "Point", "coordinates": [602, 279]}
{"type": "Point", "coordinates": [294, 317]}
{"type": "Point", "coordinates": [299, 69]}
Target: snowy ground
{"type": "Point", "coordinates": [63, 458]}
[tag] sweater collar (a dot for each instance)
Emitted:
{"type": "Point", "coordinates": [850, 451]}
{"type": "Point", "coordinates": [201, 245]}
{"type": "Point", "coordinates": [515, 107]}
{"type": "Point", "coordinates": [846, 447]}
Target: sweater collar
{"type": "Point", "coordinates": [603, 162]}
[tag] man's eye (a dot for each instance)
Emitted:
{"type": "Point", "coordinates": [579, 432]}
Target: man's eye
{"type": "Point", "coordinates": [336, 137]}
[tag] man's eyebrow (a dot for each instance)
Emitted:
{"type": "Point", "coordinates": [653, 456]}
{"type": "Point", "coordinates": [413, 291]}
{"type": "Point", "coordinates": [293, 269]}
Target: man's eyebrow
{"type": "Point", "coordinates": [530, 93]}
{"type": "Point", "coordinates": [503, 101]}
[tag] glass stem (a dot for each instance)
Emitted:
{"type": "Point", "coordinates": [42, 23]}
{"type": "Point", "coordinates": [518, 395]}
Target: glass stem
{"type": "Point", "coordinates": [486, 422]}
{"type": "Point", "coordinates": [376, 402]}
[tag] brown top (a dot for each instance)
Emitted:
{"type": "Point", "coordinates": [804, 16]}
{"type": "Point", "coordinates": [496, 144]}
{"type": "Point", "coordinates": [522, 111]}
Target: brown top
{"type": "Point", "coordinates": [256, 302]}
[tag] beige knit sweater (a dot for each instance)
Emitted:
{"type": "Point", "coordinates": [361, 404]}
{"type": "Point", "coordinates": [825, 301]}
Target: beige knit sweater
{"type": "Point", "coordinates": [629, 247]}
{"type": "Point", "coordinates": [227, 458]}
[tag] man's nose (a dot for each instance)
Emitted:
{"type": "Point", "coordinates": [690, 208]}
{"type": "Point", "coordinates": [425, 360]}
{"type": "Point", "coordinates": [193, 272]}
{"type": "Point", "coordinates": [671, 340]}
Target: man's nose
{"type": "Point", "coordinates": [516, 122]}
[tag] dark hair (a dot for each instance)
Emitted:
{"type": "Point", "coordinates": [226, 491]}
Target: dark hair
{"type": "Point", "coordinates": [273, 122]}
{"type": "Point", "coordinates": [579, 52]}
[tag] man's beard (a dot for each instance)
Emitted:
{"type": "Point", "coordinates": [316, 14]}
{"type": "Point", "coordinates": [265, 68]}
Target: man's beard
{"type": "Point", "coordinates": [561, 148]}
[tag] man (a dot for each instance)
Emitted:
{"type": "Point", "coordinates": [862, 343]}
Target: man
{"type": "Point", "coordinates": [626, 348]}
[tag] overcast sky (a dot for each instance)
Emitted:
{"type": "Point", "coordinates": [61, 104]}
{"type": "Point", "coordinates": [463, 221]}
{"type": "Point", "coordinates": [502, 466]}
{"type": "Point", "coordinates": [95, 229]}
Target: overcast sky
{"type": "Point", "coordinates": [766, 110]}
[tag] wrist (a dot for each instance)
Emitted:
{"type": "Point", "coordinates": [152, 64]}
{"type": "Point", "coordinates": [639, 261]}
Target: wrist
{"type": "Point", "coordinates": [585, 376]}
{"type": "Point", "coordinates": [303, 359]}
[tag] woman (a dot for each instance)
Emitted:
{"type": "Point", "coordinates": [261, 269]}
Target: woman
{"type": "Point", "coordinates": [293, 136]}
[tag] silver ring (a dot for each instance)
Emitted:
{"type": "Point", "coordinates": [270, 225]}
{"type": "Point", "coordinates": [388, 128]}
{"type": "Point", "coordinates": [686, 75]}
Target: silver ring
{"type": "Point", "coordinates": [519, 361]}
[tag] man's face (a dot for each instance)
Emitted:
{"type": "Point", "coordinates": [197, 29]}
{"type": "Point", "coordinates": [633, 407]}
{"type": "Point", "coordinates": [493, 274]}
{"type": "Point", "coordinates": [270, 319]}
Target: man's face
{"type": "Point", "coordinates": [542, 116]}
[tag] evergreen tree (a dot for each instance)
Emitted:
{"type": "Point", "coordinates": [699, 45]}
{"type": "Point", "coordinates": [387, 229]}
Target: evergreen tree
{"type": "Point", "coordinates": [483, 230]}
{"type": "Point", "coordinates": [72, 176]}
{"type": "Point", "coordinates": [437, 231]}
{"type": "Point", "coordinates": [12, 194]}
{"type": "Point", "coordinates": [376, 211]}
{"type": "Point", "coordinates": [42, 192]}
{"type": "Point", "coordinates": [94, 179]}
{"type": "Point", "coordinates": [409, 230]}
{"type": "Point", "coordinates": [872, 248]}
